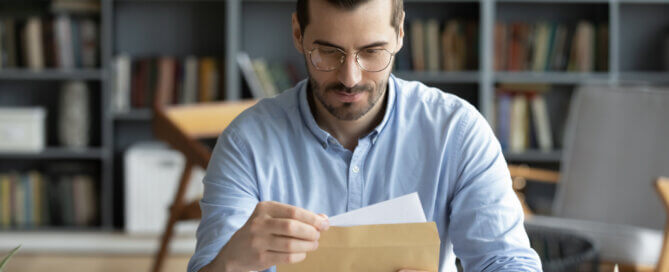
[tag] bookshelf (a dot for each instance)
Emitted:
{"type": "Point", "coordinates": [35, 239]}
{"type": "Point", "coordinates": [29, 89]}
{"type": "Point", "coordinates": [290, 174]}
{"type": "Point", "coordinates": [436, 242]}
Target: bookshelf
{"type": "Point", "coordinates": [261, 28]}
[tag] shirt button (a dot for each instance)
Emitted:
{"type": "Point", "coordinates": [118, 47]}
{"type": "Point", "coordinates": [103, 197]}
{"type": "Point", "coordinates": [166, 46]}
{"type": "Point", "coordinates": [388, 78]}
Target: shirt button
{"type": "Point", "coordinates": [332, 141]}
{"type": "Point", "coordinates": [356, 169]}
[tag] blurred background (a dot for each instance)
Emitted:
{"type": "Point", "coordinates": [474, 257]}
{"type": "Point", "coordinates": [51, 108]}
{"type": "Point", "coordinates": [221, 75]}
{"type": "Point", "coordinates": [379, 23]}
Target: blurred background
{"type": "Point", "coordinates": [85, 184]}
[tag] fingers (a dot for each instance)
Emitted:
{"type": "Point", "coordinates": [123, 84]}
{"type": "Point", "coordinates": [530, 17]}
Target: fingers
{"type": "Point", "coordinates": [291, 228]}
{"type": "Point", "coordinates": [410, 270]}
{"type": "Point", "coordinates": [290, 245]}
{"type": "Point", "coordinates": [280, 210]}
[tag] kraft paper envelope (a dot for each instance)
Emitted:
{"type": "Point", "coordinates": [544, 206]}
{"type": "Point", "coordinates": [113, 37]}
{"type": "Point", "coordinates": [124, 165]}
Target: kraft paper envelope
{"type": "Point", "coordinates": [370, 248]}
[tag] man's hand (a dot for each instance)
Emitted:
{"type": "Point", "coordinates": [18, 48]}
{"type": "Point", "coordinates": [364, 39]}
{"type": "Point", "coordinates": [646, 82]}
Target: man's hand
{"type": "Point", "coordinates": [275, 233]}
{"type": "Point", "coordinates": [410, 270]}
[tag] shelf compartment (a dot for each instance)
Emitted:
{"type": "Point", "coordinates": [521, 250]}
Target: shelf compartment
{"type": "Point", "coordinates": [51, 74]}
{"type": "Point", "coordinates": [551, 77]}
{"type": "Point", "coordinates": [439, 77]}
{"type": "Point", "coordinates": [92, 153]}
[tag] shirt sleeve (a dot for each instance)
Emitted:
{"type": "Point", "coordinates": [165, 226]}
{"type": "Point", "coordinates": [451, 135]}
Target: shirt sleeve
{"type": "Point", "coordinates": [486, 218]}
{"type": "Point", "coordinates": [230, 196]}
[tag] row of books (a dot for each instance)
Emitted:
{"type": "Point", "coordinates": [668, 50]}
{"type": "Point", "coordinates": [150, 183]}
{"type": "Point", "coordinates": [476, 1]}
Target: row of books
{"type": "Point", "coordinates": [547, 46]}
{"type": "Point", "coordinates": [451, 47]}
{"type": "Point", "coordinates": [63, 41]}
{"type": "Point", "coordinates": [183, 80]}
{"type": "Point", "coordinates": [29, 200]}
{"type": "Point", "coordinates": [523, 120]}
{"type": "Point", "coordinates": [266, 79]}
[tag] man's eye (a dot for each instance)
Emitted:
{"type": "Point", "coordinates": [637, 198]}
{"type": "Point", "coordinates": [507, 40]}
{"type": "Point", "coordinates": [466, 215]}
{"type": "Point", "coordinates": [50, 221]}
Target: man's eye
{"type": "Point", "coordinates": [372, 51]}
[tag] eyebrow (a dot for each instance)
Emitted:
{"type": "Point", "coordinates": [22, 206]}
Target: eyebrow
{"type": "Point", "coordinates": [374, 44]}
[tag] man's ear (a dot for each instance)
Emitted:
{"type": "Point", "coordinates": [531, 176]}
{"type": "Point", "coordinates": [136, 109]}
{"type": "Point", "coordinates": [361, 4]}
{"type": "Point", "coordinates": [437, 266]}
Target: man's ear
{"type": "Point", "coordinates": [297, 34]}
{"type": "Point", "coordinates": [400, 34]}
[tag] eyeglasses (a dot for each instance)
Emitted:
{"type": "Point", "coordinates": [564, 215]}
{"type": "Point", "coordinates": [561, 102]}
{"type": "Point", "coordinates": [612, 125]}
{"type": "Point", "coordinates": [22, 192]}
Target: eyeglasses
{"type": "Point", "coordinates": [327, 58]}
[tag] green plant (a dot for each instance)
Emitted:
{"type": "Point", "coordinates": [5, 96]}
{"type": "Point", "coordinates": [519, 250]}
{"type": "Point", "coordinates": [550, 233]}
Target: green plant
{"type": "Point", "coordinates": [6, 259]}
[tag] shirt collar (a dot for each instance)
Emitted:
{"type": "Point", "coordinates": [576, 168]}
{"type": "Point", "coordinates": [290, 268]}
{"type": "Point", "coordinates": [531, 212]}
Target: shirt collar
{"type": "Point", "coordinates": [321, 135]}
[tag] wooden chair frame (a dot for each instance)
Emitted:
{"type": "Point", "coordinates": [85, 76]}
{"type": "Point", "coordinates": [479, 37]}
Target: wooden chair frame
{"type": "Point", "coordinates": [181, 127]}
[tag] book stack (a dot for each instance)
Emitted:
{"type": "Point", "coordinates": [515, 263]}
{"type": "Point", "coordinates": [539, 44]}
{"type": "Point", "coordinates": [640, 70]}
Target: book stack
{"type": "Point", "coordinates": [549, 46]}
{"type": "Point", "coordinates": [30, 200]}
{"type": "Point", "coordinates": [61, 41]}
{"type": "Point", "coordinates": [266, 79]}
{"type": "Point", "coordinates": [451, 46]}
{"type": "Point", "coordinates": [185, 81]}
{"type": "Point", "coordinates": [523, 119]}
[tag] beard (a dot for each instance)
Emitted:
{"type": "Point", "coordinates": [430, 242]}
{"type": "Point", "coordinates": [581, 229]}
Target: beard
{"type": "Point", "coordinates": [347, 111]}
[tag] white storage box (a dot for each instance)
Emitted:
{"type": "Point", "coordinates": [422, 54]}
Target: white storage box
{"type": "Point", "coordinates": [152, 174]}
{"type": "Point", "coordinates": [22, 129]}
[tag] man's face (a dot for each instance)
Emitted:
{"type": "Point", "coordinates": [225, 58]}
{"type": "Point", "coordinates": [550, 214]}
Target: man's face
{"type": "Point", "coordinates": [348, 92]}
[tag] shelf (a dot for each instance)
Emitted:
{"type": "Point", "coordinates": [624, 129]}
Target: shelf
{"type": "Point", "coordinates": [645, 77]}
{"type": "Point", "coordinates": [643, 1]}
{"type": "Point", "coordinates": [85, 241]}
{"type": "Point", "coordinates": [50, 74]}
{"type": "Point", "coordinates": [439, 77]}
{"type": "Point", "coordinates": [552, 77]}
{"type": "Point", "coordinates": [134, 115]}
{"type": "Point", "coordinates": [534, 156]}
{"type": "Point", "coordinates": [58, 153]}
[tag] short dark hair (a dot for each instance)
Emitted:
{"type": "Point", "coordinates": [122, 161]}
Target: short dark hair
{"type": "Point", "coordinates": [303, 11]}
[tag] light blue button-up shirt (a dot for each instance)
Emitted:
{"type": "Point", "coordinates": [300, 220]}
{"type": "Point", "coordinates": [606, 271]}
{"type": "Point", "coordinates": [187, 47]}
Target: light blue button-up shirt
{"type": "Point", "coordinates": [428, 142]}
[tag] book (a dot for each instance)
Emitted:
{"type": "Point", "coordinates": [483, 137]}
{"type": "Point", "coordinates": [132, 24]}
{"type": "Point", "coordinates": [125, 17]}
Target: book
{"type": "Point", "coordinates": [556, 56]}
{"type": "Point", "coordinates": [49, 39]}
{"type": "Point", "coordinates": [89, 43]}
{"type": "Point", "coordinates": [32, 42]}
{"type": "Point", "coordinates": [76, 41]}
{"type": "Point", "coordinates": [84, 200]}
{"type": "Point", "coordinates": [63, 30]}
{"type": "Point", "coordinates": [261, 70]}
{"type": "Point", "coordinates": [66, 199]}
{"type": "Point", "coordinates": [451, 46]}
{"type": "Point", "coordinates": [250, 76]}
{"type": "Point", "coordinates": [190, 82]}
{"type": "Point", "coordinates": [542, 123]}
{"type": "Point", "coordinates": [5, 201]}
{"type": "Point", "coordinates": [500, 46]}
{"type": "Point", "coordinates": [19, 205]}
{"type": "Point", "coordinates": [519, 130]}
{"type": "Point", "coordinates": [417, 45]}
{"type": "Point", "coordinates": [503, 122]}
{"type": "Point", "coordinates": [542, 44]}
{"type": "Point", "coordinates": [602, 48]}
{"type": "Point", "coordinates": [208, 80]}
{"type": "Point", "coordinates": [121, 70]}
{"type": "Point", "coordinates": [280, 75]}
{"type": "Point", "coordinates": [471, 46]}
{"type": "Point", "coordinates": [432, 58]}
{"type": "Point", "coordinates": [582, 48]}
{"type": "Point", "coordinates": [8, 44]}
{"type": "Point", "coordinates": [166, 80]}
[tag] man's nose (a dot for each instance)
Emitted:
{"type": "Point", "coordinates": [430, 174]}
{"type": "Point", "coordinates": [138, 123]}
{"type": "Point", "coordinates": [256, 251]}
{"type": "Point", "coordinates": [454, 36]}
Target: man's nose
{"type": "Point", "coordinates": [349, 72]}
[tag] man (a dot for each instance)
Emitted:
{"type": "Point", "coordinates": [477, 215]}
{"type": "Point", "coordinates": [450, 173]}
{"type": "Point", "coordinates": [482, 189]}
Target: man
{"type": "Point", "coordinates": [350, 136]}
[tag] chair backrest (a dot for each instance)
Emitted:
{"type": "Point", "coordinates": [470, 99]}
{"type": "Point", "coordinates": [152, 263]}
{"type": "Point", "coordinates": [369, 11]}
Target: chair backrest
{"type": "Point", "coordinates": [616, 145]}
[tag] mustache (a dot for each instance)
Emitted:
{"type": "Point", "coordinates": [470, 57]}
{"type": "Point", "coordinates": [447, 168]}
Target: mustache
{"type": "Point", "coordinates": [338, 87]}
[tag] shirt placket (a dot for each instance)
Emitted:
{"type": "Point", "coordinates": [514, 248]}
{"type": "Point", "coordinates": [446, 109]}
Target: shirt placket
{"type": "Point", "coordinates": [356, 180]}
